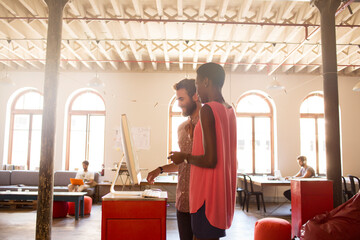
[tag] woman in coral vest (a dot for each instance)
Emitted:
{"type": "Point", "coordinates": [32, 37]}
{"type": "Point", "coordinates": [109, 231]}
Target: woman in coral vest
{"type": "Point", "coordinates": [213, 158]}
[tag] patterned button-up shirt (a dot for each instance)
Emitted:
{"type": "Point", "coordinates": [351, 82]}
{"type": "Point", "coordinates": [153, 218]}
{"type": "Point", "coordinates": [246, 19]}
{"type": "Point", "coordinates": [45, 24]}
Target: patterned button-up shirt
{"type": "Point", "coordinates": [185, 133]}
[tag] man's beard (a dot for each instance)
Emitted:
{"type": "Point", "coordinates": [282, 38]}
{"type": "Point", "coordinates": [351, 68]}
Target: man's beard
{"type": "Point", "coordinates": [190, 109]}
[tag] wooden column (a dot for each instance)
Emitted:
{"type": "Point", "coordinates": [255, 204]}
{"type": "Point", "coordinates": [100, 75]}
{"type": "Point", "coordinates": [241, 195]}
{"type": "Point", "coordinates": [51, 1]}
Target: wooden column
{"type": "Point", "coordinates": [327, 10]}
{"type": "Point", "coordinates": [46, 172]}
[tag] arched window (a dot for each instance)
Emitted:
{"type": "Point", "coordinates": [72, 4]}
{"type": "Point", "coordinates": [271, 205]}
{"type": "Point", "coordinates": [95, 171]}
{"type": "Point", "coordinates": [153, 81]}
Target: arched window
{"type": "Point", "coordinates": [175, 119]}
{"type": "Point", "coordinates": [86, 130]}
{"type": "Point", "coordinates": [25, 130]}
{"type": "Point", "coordinates": [255, 141]}
{"type": "Point", "coordinates": [312, 131]}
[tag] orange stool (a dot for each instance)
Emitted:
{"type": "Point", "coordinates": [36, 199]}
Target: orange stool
{"type": "Point", "coordinates": [60, 209]}
{"type": "Point", "coordinates": [87, 206]}
{"type": "Point", "coordinates": [272, 229]}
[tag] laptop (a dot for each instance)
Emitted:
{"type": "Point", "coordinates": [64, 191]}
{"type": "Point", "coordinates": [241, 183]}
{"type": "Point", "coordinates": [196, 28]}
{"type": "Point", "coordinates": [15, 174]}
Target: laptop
{"type": "Point", "coordinates": [76, 181]}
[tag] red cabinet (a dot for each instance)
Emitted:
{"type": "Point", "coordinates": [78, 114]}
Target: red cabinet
{"type": "Point", "coordinates": [309, 197]}
{"type": "Point", "coordinates": [133, 218]}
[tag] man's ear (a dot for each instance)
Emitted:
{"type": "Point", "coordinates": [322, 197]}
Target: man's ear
{"type": "Point", "coordinates": [195, 97]}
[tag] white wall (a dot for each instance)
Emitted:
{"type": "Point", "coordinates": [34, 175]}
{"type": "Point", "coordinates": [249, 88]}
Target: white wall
{"type": "Point", "coordinates": [145, 97]}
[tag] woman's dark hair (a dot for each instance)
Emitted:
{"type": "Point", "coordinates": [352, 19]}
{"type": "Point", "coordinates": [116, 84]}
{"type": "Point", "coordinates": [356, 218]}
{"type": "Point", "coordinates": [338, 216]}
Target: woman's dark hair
{"type": "Point", "coordinates": [214, 72]}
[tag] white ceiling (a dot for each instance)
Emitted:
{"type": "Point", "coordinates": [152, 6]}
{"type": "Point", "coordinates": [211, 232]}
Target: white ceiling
{"type": "Point", "coordinates": [145, 35]}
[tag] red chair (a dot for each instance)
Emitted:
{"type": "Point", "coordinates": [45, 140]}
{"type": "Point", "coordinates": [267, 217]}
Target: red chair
{"type": "Point", "coordinates": [340, 223]}
{"type": "Point", "coordinates": [272, 229]}
{"type": "Point", "coordinates": [87, 206]}
{"type": "Point", "coordinates": [60, 209]}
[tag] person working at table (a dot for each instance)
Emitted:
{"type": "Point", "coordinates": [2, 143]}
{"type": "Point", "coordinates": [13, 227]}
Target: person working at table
{"type": "Point", "coordinates": [304, 172]}
{"type": "Point", "coordinates": [190, 105]}
{"type": "Point", "coordinates": [85, 175]}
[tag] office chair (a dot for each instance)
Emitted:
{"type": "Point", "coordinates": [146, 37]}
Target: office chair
{"type": "Point", "coordinates": [249, 191]}
{"type": "Point", "coordinates": [346, 193]}
{"type": "Point", "coordinates": [352, 184]}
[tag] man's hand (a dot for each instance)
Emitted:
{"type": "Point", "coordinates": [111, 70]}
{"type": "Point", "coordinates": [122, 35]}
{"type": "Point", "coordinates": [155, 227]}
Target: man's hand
{"type": "Point", "coordinates": [89, 182]}
{"type": "Point", "coordinates": [177, 157]}
{"type": "Point", "coordinates": [152, 175]}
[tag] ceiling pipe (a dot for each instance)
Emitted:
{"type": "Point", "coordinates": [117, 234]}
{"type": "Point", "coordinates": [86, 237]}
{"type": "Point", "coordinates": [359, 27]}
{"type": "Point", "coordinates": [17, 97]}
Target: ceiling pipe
{"type": "Point", "coordinates": [175, 40]}
{"type": "Point", "coordinates": [308, 37]}
{"type": "Point", "coordinates": [175, 62]}
{"type": "Point", "coordinates": [144, 20]}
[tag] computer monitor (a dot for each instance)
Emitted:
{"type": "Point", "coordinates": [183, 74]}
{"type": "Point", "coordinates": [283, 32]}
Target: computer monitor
{"type": "Point", "coordinates": [129, 155]}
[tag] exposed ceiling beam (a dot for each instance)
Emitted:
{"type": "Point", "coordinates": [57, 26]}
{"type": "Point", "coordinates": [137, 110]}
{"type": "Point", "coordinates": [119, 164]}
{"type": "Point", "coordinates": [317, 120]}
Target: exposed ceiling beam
{"type": "Point", "coordinates": [72, 50]}
{"type": "Point", "coordinates": [198, 32]}
{"type": "Point", "coordinates": [145, 31]}
{"type": "Point", "coordinates": [180, 8]}
{"type": "Point", "coordinates": [82, 44]}
{"type": "Point", "coordinates": [223, 9]}
{"type": "Point", "coordinates": [137, 9]}
{"type": "Point", "coordinates": [29, 8]}
{"type": "Point", "coordinates": [245, 9]}
{"type": "Point", "coordinates": [159, 8]}
{"type": "Point", "coordinates": [115, 5]}
{"type": "Point", "coordinates": [8, 7]}
{"type": "Point", "coordinates": [95, 7]}
{"type": "Point", "coordinates": [137, 56]}
{"type": "Point", "coordinates": [73, 8]}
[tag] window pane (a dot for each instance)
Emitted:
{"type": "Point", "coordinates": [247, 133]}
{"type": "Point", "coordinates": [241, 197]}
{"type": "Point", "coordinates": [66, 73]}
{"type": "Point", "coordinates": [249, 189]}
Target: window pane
{"type": "Point", "coordinates": [77, 142]}
{"type": "Point", "coordinates": [244, 144]}
{"type": "Point", "coordinates": [96, 142]}
{"type": "Point", "coordinates": [308, 140]}
{"type": "Point", "coordinates": [88, 101]}
{"type": "Point", "coordinates": [253, 104]}
{"type": "Point", "coordinates": [20, 140]}
{"type": "Point", "coordinates": [313, 104]}
{"type": "Point", "coordinates": [30, 100]}
{"type": "Point", "coordinates": [35, 142]}
{"type": "Point", "coordinates": [322, 149]}
{"type": "Point", "coordinates": [176, 121]}
{"type": "Point", "coordinates": [175, 107]}
{"type": "Point", "coordinates": [262, 145]}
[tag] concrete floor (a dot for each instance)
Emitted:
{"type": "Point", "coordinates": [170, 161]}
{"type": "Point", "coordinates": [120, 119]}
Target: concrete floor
{"type": "Point", "coordinates": [19, 224]}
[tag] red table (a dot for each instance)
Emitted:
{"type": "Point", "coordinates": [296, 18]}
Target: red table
{"type": "Point", "coordinates": [309, 197]}
{"type": "Point", "coordinates": [133, 217]}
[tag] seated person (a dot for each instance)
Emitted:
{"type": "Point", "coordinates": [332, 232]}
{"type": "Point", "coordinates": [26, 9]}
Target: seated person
{"type": "Point", "coordinates": [85, 175]}
{"type": "Point", "coordinates": [305, 172]}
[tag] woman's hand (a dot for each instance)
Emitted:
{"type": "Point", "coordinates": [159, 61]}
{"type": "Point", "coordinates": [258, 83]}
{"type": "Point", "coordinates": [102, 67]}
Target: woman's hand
{"type": "Point", "coordinates": [177, 157]}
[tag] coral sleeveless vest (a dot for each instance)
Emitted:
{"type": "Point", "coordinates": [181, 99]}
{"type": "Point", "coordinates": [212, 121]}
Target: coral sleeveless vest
{"type": "Point", "coordinates": [216, 187]}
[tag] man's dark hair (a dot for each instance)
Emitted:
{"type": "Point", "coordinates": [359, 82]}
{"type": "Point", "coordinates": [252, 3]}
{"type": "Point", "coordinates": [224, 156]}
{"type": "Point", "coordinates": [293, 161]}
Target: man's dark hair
{"type": "Point", "coordinates": [302, 158]}
{"type": "Point", "coordinates": [86, 163]}
{"type": "Point", "coordinates": [188, 85]}
{"type": "Point", "coordinates": [214, 72]}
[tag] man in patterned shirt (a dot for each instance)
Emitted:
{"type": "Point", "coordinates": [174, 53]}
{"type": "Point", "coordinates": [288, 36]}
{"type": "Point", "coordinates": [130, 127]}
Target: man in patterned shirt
{"type": "Point", "coordinates": [190, 106]}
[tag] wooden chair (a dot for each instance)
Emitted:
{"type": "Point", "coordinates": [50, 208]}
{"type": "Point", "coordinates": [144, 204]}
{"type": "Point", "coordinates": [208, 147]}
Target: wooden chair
{"type": "Point", "coordinates": [352, 184]}
{"type": "Point", "coordinates": [346, 193]}
{"type": "Point", "coordinates": [249, 191]}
